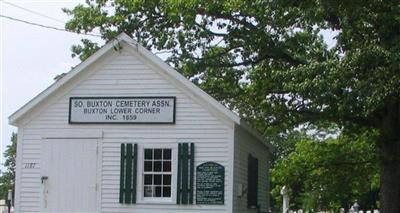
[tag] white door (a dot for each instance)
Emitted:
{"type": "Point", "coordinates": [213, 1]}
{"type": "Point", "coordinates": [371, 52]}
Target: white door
{"type": "Point", "coordinates": [69, 168]}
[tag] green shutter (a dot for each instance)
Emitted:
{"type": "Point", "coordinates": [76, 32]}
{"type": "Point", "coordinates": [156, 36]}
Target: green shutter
{"type": "Point", "coordinates": [185, 173]}
{"type": "Point", "coordinates": [252, 182]}
{"type": "Point", "coordinates": [179, 188]}
{"type": "Point", "coordinates": [127, 189]}
{"type": "Point", "coordinates": [134, 177]}
{"type": "Point", "coordinates": [191, 173]}
{"type": "Point", "coordinates": [122, 175]}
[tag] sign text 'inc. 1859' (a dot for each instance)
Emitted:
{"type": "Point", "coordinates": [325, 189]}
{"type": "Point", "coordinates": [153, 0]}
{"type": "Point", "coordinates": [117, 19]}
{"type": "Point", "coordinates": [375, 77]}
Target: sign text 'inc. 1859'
{"type": "Point", "coordinates": [157, 110]}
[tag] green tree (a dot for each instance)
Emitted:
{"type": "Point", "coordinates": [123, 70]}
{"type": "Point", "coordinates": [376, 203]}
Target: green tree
{"type": "Point", "coordinates": [7, 177]}
{"type": "Point", "coordinates": [329, 174]}
{"type": "Point", "coordinates": [268, 61]}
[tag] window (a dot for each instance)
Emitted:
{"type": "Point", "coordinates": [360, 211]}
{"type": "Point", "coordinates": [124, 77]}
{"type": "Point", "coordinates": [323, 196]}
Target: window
{"type": "Point", "coordinates": [157, 173]}
{"type": "Point", "coordinates": [252, 182]}
{"type": "Point", "coordinates": [149, 173]}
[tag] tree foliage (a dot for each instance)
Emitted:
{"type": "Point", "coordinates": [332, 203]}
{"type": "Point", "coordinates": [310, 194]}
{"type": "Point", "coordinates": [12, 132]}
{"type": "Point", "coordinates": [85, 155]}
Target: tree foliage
{"type": "Point", "coordinates": [268, 61]}
{"type": "Point", "coordinates": [270, 53]}
{"type": "Point", "coordinates": [7, 178]}
{"type": "Point", "coordinates": [330, 174]}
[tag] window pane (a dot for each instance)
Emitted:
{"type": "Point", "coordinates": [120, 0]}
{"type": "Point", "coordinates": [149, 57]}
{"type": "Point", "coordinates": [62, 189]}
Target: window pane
{"type": "Point", "coordinates": [158, 191]}
{"type": "Point", "coordinates": [167, 166]}
{"type": "Point", "coordinates": [148, 191]}
{"type": "Point", "coordinates": [148, 179]}
{"type": "Point", "coordinates": [166, 179]}
{"type": "Point", "coordinates": [148, 166]}
{"type": "Point", "coordinates": [157, 179]}
{"type": "Point", "coordinates": [148, 154]}
{"type": "Point", "coordinates": [166, 191]}
{"type": "Point", "coordinates": [167, 154]}
{"type": "Point", "coordinates": [157, 166]}
{"type": "Point", "coordinates": [157, 154]}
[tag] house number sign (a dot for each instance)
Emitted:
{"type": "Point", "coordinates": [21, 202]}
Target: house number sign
{"type": "Point", "coordinates": [29, 165]}
{"type": "Point", "coordinates": [210, 187]}
{"type": "Point", "coordinates": [121, 110]}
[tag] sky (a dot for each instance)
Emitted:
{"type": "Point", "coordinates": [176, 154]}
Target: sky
{"type": "Point", "coordinates": [31, 56]}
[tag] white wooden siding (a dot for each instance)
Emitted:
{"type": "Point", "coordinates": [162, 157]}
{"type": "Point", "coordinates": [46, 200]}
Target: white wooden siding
{"type": "Point", "coordinates": [246, 144]}
{"type": "Point", "coordinates": [123, 74]}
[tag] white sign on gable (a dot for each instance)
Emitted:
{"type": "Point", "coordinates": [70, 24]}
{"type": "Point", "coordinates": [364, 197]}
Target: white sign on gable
{"type": "Point", "coordinates": [122, 110]}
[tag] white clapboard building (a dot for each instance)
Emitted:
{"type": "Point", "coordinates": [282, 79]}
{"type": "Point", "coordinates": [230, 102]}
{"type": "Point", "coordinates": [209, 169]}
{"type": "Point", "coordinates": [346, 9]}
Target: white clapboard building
{"type": "Point", "coordinates": [125, 132]}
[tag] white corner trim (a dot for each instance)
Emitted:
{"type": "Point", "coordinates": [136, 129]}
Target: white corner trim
{"type": "Point", "coordinates": [18, 172]}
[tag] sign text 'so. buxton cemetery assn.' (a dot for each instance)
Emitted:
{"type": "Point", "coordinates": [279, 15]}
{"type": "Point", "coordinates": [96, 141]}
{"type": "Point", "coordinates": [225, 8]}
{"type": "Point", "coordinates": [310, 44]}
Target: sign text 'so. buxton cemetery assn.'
{"type": "Point", "coordinates": [210, 183]}
{"type": "Point", "coordinates": [120, 110]}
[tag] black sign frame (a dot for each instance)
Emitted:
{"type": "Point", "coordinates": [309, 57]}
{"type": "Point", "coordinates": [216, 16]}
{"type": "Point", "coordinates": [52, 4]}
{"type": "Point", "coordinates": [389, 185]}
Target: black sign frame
{"type": "Point", "coordinates": [121, 97]}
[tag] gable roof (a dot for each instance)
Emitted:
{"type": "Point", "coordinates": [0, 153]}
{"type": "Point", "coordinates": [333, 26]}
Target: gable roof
{"type": "Point", "coordinates": [13, 119]}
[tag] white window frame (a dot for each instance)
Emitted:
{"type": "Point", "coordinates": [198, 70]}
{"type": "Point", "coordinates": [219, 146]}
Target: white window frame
{"type": "Point", "coordinates": [140, 174]}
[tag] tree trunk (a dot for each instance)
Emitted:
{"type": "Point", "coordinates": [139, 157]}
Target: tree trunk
{"type": "Point", "coordinates": [390, 177]}
{"type": "Point", "coordinates": [389, 147]}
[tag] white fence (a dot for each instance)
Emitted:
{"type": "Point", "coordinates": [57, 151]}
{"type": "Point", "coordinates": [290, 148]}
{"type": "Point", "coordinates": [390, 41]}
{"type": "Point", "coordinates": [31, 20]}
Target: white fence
{"type": "Point", "coordinates": [341, 211]}
{"type": "Point", "coordinates": [285, 206]}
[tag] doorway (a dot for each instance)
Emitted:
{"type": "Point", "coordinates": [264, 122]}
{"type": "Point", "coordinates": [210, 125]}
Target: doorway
{"type": "Point", "coordinates": [69, 175]}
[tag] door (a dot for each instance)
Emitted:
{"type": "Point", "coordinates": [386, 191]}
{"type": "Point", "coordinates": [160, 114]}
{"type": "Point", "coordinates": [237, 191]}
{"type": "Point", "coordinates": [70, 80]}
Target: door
{"type": "Point", "coordinates": [69, 180]}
